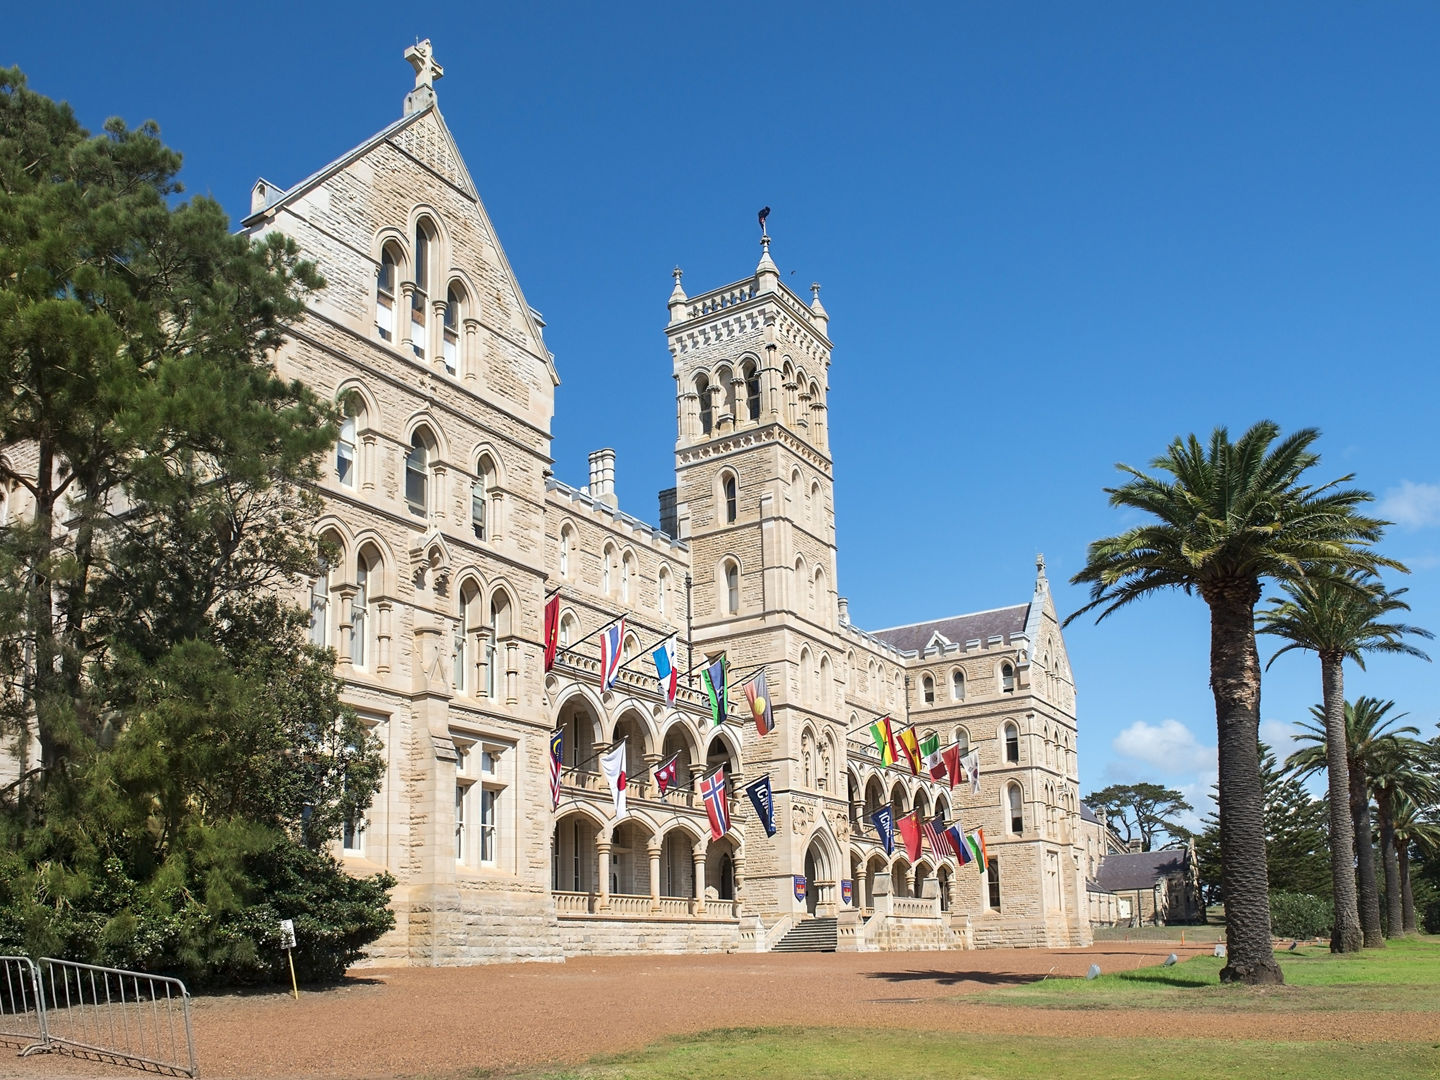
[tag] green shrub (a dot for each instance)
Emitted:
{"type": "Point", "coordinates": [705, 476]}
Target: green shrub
{"type": "Point", "coordinates": [1300, 915]}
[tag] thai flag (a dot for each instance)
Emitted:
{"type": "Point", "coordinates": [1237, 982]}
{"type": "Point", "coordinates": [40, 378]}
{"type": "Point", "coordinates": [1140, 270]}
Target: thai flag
{"type": "Point", "coordinates": [666, 669]}
{"type": "Point", "coordinates": [557, 751]}
{"type": "Point", "coordinates": [610, 641]}
{"type": "Point", "coordinates": [713, 789]}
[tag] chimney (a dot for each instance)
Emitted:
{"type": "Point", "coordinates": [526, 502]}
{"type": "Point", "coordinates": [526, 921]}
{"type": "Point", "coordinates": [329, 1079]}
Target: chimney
{"type": "Point", "coordinates": [844, 606]}
{"type": "Point", "coordinates": [1135, 845]}
{"type": "Point", "coordinates": [602, 477]}
{"type": "Point", "coordinates": [669, 523]}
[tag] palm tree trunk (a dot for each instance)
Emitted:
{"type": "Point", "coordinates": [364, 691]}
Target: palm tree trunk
{"type": "Point", "coordinates": [1345, 935]}
{"type": "Point", "coordinates": [1235, 682]}
{"type": "Point", "coordinates": [1407, 898]}
{"type": "Point", "coordinates": [1365, 858]}
{"type": "Point", "coordinates": [1385, 811]}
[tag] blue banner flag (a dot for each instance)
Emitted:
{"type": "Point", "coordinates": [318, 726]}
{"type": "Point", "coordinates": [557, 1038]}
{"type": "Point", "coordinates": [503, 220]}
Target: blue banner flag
{"type": "Point", "coordinates": [884, 820]}
{"type": "Point", "coordinates": [763, 800]}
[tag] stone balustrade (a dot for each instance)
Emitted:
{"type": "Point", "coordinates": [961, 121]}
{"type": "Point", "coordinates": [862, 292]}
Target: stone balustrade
{"type": "Point", "coordinates": [724, 298]}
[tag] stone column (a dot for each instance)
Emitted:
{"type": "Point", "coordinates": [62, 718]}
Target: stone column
{"type": "Point", "coordinates": [469, 350]}
{"type": "Point", "coordinates": [698, 854]}
{"type": "Point", "coordinates": [367, 454]}
{"type": "Point", "coordinates": [440, 500]}
{"type": "Point", "coordinates": [651, 760]}
{"type": "Point", "coordinates": [602, 860]}
{"type": "Point", "coordinates": [654, 853]}
{"type": "Point", "coordinates": [345, 593]}
{"type": "Point", "coordinates": [512, 671]}
{"type": "Point", "coordinates": [384, 609]}
{"type": "Point", "coordinates": [739, 879]}
{"type": "Point", "coordinates": [403, 315]}
{"type": "Point", "coordinates": [437, 318]}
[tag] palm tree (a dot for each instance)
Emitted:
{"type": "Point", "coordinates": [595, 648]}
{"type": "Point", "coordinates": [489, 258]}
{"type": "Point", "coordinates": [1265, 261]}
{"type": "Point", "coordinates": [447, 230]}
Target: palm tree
{"type": "Point", "coordinates": [1367, 733]}
{"type": "Point", "coordinates": [1227, 516]}
{"type": "Point", "coordinates": [1339, 618]}
{"type": "Point", "coordinates": [1412, 827]}
{"type": "Point", "coordinates": [1396, 771]}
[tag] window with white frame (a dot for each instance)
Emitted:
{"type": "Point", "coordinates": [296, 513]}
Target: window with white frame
{"type": "Point", "coordinates": [365, 566]}
{"type": "Point", "coordinates": [1012, 744]}
{"type": "Point", "coordinates": [1015, 804]}
{"type": "Point", "coordinates": [345, 443]}
{"type": "Point", "coordinates": [957, 685]}
{"type": "Point", "coordinates": [385, 293]}
{"type": "Point", "coordinates": [1007, 679]}
{"type": "Point", "coordinates": [992, 890]}
{"type": "Point", "coordinates": [662, 591]}
{"type": "Point", "coordinates": [482, 500]}
{"type": "Point", "coordinates": [451, 330]}
{"type": "Point", "coordinates": [927, 689]}
{"type": "Point", "coordinates": [732, 588]}
{"type": "Point", "coordinates": [479, 799]}
{"type": "Point", "coordinates": [320, 607]}
{"type": "Point", "coordinates": [417, 473]}
{"type": "Point", "coordinates": [731, 497]}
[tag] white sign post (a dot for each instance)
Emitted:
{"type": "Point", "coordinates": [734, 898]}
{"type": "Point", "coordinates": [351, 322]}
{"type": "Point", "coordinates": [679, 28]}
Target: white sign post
{"type": "Point", "coordinates": [287, 942]}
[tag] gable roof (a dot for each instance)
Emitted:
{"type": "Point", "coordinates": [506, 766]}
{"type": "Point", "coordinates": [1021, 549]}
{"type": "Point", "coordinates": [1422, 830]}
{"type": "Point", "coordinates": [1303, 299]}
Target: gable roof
{"type": "Point", "coordinates": [998, 622]}
{"type": "Point", "coordinates": [1130, 870]}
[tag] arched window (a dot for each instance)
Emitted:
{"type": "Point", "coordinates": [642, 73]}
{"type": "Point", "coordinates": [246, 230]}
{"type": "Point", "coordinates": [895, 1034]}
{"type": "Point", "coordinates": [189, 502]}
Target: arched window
{"type": "Point", "coordinates": [927, 689]}
{"type": "Point", "coordinates": [499, 631]}
{"type": "Point", "coordinates": [467, 630]}
{"type": "Point", "coordinates": [826, 681]}
{"type": "Point", "coordinates": [319, 604]}
{"type": "Point", "coordinates": [420, 298]}
{"type": "Point", "coordinates": [385, 293]}
{"type": "Point", "coordinates": [821, 593]}
{"type": "Point", "coordinates": [627, 572]}
{"type": "Point", "coordinates": [1007, 679]}
{"type": "Point", "coordinates": [1012, 744]}
{"type": "Point", "coordinates": [567, 629]}
{"type": "Point", "coordinates": [751, 373]}
{"type": "Point", "coordinates": [567, 549]}
{"type": "Point", "coordinates": [807, 757]}
{"type": "Point", "coordinates": [366, 565]}
{"type": "Point", "coordinates": [629, 647]}
{"type": "Point", "coordinates": [957, 685]}
{"type": "Point", "coordinates": [607, 575]}
{"type": "Point", "coordinates": [962, 740]}
{"type": "Point", "coordinates": [732, 588]}
{"type": "Point", "coordinates": [345, 443]}
{"type": "Point", "coordinates": [482, 499]}
{"type": "Point", "coordinates": [816, 507]}
{"type": "Point", "coordinates": [1014, 801]}
{"type": "Point", "coordinates": [417, 473]}
{"type": "Point", "coordinates": [992, 874]}
{"type": "Point", "coordinates": [727, 489]}
{"type": "Point", "coordinates": [662, 591]}
{"type": "Point", "coordinates": [707, 416]}
{"type": "Point", "coordinates": [453, 313]}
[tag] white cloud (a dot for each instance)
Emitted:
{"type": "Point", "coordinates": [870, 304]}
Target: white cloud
{"type": "Point", "coordinates": [1279, 735]}
{"type": "Point", "coordinates": [1412, 505]}
{"type": "Point", "coordinates": [1169, 747]}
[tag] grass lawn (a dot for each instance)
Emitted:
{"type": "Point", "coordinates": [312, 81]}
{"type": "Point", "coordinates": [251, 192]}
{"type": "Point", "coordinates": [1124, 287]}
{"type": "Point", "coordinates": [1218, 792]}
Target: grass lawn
{"type": "Point", "coordinates": [1404, 976]}
{"type": "Point", "coordinates": [852, 1054]}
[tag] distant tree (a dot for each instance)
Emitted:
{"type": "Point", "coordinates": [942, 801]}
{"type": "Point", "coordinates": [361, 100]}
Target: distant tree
{"type": "Point", "coordinates": [1339, 618]}
{"type": "Point", "coordinates": [1415, 831]}
{"type": "Point", "coordinates": [1224, 517]}
{"type": "Point", "coordinates": [1144, 808]}
{"type": "Point", "coordinates": [1399, 773]}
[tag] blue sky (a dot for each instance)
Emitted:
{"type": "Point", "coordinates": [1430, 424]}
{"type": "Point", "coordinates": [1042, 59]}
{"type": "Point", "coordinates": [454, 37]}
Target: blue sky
{"type": "Point", "coordinates": [1051, 238]}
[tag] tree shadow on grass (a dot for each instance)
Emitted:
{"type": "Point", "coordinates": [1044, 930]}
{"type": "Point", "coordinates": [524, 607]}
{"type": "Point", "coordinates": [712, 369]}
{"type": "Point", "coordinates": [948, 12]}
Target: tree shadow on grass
{"type": "Point", "coordinates": [955, 978]}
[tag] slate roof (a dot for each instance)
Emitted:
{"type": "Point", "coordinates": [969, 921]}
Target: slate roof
{"type": "Point", "coordinates": [1126, 871]}
{"type": "Point", "coordinates": [1001, 622]}
{"type": "Point", "coordinates": [1086, 814]}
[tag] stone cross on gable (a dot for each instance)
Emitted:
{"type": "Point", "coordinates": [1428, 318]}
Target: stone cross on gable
{"type": "Point", "coordinates": [422, 59]}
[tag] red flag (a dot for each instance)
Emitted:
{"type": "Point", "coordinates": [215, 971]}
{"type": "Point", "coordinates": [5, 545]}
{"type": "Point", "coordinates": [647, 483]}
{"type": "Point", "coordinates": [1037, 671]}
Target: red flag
{"type": "Point", "coordinates": [667, 774]}
{"type": "Point", "coordinates": [910, 747]}
{"type": "Point", "coordinates": [910, 830]}
{"type": "Point", "coordinates": [951, 758]}
{"type": "Point", "coordinates": [552, 629]}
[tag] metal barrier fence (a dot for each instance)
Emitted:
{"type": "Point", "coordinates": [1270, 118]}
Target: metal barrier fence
{"type": "Point", "coordinates": [124, 1016]}
{"type": "Point", "coordinates": [22, 1008]}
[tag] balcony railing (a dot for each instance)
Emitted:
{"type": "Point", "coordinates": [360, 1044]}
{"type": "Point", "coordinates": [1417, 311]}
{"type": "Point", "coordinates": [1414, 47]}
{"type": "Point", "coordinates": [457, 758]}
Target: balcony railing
{"type": "Point", "coordinates": [631, 906]}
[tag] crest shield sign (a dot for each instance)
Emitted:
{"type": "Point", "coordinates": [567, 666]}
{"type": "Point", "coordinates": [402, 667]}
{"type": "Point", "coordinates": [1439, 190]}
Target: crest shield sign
{"type": "Point", "coordinates": [846, 889]}
{"type": "Point", "coordinates": [800, 887]}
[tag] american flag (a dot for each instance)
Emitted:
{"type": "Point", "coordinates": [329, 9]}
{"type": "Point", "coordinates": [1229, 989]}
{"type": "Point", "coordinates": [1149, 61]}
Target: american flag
{"type": "Point", "coordinates": [557, 751]}
{"type": "Point", "coordinates": [713, 789]}
{"type": "Point", "coordinates": [935, 836]}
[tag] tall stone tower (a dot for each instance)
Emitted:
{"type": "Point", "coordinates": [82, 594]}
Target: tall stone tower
{"type": "Point", "coordinates": [755, 501]}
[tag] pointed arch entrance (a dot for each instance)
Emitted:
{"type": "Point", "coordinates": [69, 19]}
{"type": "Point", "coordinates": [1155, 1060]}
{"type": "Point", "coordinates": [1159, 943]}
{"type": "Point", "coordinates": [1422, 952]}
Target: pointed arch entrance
{"type": "Point", "coordinates": [822, 862]}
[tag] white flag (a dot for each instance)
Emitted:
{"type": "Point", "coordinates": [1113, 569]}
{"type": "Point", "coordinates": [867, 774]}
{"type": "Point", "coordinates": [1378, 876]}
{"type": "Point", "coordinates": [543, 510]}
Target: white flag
{"type": "Point", "coordinates": [971, 765]}
{"type": "Point", "coordinates": [612, 764]}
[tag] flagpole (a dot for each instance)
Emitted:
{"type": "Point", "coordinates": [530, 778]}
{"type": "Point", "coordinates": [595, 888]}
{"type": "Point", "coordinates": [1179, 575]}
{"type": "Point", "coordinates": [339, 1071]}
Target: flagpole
{"type": "Point", "coordinates": [598, 630]}
{"type": "Point", "coordinates": [645, 651]}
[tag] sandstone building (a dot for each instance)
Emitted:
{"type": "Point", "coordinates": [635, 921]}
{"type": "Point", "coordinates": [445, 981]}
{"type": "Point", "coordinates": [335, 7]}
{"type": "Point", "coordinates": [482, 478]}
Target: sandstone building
{"type": "Point", "coordinates": [452, 531]}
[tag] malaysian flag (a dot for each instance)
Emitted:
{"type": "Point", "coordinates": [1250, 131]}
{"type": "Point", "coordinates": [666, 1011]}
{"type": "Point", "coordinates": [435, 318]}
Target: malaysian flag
{"type": "Point", "coordinates": [557, 750]}
{"type": "Point", "coordinates": [713, 789]}
{"type": "Point", "coordinates": [935, 836]}
{"type": "Point", "coordinates": [610, 653]}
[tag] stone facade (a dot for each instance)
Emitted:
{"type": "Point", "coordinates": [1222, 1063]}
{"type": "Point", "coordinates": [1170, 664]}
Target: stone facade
{"type": "Point", "coordinates": [449, 533]}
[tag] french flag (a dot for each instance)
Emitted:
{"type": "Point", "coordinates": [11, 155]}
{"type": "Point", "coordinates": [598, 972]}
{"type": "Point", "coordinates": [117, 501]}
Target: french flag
{"type": "Point", "coordinates": [610, 653]}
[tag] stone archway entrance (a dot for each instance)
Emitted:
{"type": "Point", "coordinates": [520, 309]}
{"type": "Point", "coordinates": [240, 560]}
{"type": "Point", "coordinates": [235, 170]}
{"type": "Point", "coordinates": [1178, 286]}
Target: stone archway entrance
{"type": "Point", "coordinates": [821, 888]}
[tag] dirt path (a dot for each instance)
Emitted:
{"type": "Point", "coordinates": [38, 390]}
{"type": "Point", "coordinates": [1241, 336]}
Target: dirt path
{"type": "Point", "coordinates": [402, 1022]}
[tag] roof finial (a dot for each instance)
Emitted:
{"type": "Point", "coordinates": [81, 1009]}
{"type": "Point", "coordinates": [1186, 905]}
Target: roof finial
{"type": "Point", "coordinates": [422, 59]}
{"type": "Point", "coordinates": [677, 299]}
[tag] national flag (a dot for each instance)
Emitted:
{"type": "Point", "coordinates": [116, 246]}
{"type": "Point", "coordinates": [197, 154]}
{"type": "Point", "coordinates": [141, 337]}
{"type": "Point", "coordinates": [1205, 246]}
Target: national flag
{"type": "Point", "coordinates": [910, 832]}
{"type": "Point", "coordinates": [666, 669]}
{"type": "Point", "coordinates": [910, 748]}
{"type": "Point", "coordinates": [713, 790]}
{"type": "Point", "coordinates": [976, 840]}
{"type": "Point", "coordinates": [884, 738]}
{"type": "Point", "coordinates": [763, 799]}
{"type": "Point", "coordinates": [956, 839]}
{"type": "Point", "coordinates": [951, 757]}
{"type": "Point", "coordinates": [612, 764]}
{"type": "Point", "coordinates": [758, 694]}
{"type": "Point", "coordinates": [552, 630]}
{"type": "Point", "coordinates": [971, 765]}
{"type": "Point", "coordinates": [935, 836]}
{"type": "Point", "coordinates": [610, 641]}
{"type": "Point", "coordinates": [713, 679]}
{"type": "Point", "coordinates": [884, 820]}
{"type": "Point", "coordinates": [667, 774]}
{"type": "Point", "coordinates": [557, 751]}
{"type": "Point", "coordinates": [930, 751]}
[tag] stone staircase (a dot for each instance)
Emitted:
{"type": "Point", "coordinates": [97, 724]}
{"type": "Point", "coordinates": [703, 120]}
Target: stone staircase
{"type": "Point", "coordinates": [810, 935]}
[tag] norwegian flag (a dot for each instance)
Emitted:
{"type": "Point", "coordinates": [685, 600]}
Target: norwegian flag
{"type": "Point", "coordinates": [557, 751]}
{"type": "Point", "coordinates": [713, 789]}
{"type": "Point", "coordinates": [935, 835]}
{"type": "Point", "coordinates": [610, 653]}
{"type": "Point", "coordinates": [667, 774]}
